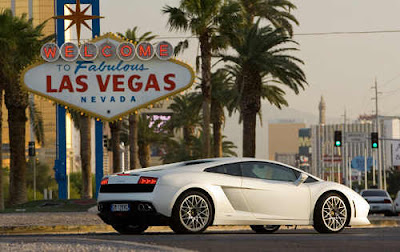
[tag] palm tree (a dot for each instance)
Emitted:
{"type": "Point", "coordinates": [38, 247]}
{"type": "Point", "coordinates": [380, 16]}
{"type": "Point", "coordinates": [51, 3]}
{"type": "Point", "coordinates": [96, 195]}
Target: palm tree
{"type": "Point", "coordinates": [177, 150]}
{"type": "Point", "coordinates": [20, 43]}
{"type": "Point", "coordinates": [83, 124]}
{"type": "Point", "coordinates": [277, 12]}
{"type": "Point", "coordinates": [260, 61]}
{"type": "Point", "coordinates": [186, 116]}
{"type": "Point", "coordinates": [131, 34]}
{"type": "Point", "coordinates": [221, 96]}
{"type": "Point", "coordinates": [202, 18]}
{"type": "Point", "coordinates": [149, 134]}
{"type": "Point", "coordinates": [115, 128]}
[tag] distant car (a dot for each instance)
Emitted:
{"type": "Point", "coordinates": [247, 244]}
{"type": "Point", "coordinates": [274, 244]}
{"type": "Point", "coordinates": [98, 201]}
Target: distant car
{"type": "Point", "coordinates": [190, 196]}
{"type": "Point", "coordinates": [397, 202]}
{"type": "Point", "coordinates": [379, 201]}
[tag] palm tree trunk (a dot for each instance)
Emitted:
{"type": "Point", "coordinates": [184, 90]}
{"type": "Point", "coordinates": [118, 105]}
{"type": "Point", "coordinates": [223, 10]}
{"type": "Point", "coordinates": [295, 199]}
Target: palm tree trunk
{"type": "Point", "coordinates": [115, 145]}
{"type": "Point", "coordinates": [217, 134]}
{"type": "Point", "coordinates": [1, 152]}
{"type": "Point", "coordinates": [84, 129]}
{"type": "Point", "coordinates": [144, 155]}
{"type": "Point", "coordinates": [217, 117]}
{"type": "Point", "coordinates": [188, 138]}
{"type": "Point", "coordinates": [133, 141]}
{"type": "Point", "coordinates": [16, 121]}
{"type": "Point", "coordinates": [249, 134]}
{"type": "Point", "coordinates": [205, 49]}
{"type": "Point", "coordinates": [250, 105]}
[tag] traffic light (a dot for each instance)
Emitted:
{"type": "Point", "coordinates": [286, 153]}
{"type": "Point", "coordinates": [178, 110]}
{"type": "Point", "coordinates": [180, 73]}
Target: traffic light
{"type": "Point", "coordinates": [338, 138]}
{"type": "Point", "coordinates": [374, 140]}
{"type": "Point", "coordinates": [31, 149]}
{"type": "Point", "coordinates": [105, 141]}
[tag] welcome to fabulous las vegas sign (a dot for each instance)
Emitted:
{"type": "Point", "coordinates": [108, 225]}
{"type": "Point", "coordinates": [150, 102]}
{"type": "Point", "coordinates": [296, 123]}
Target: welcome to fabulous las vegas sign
{"type": "Point", "coordinates": [107, 77]}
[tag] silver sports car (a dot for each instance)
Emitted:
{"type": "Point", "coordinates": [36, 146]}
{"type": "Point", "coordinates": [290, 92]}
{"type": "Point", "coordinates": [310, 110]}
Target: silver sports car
{"type": "Point", "coordinates": [190, 196]}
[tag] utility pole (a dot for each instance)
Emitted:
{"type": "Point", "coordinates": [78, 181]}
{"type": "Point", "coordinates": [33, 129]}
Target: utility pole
{"type": "Point", "coordinates": [377, 126]}
{"type": "Point", "coordinates": [344, 153]}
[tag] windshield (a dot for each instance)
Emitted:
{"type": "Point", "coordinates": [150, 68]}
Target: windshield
{"type": "Point", "coordinates": [374, 194]}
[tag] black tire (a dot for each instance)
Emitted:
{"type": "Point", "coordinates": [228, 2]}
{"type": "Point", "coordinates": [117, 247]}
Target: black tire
{"type": "Point", "coordinates": [338, 216]}
{"type": "Point", "coordinates": [390, 213]}
{"type": "Point", "coordinates": [130, 229]}
{"type": "Point", "coordinates": [177, 222]}
{"type": "Point", "coordinates": [265, 229]}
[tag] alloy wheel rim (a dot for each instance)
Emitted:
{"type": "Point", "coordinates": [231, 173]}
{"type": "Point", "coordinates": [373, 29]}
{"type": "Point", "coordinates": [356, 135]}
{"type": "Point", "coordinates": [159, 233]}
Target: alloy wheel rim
{"type": "Point", "coordinates": [194, 213]}
{"type": "Point", "coordinates": [334, 213]}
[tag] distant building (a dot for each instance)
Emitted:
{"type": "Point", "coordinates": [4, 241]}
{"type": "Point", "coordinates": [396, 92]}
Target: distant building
{"type": "Point", "coordinates": [323, 165]}
{"type": "Point", "coordinates": [283, 141]}
{"type": "Point", "coordinates": [322, 111]}
{"type": "Point", "coordinates": [323, 149]}
{"type": "Point", "coordinates": [42, 10]}
{"type": "Point", "coordinates": [304, 158]}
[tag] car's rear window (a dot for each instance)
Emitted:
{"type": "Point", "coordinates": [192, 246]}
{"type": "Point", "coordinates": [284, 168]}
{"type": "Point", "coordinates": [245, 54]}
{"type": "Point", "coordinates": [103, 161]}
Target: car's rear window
{"type": "Point", "coordinates": [374, 193]}
{"type": "Point", "coordinates": [229, 169]}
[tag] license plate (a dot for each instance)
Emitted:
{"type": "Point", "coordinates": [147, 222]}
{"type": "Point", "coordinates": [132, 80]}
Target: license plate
{"type": "Point", "coordinates": [375, 207]}
{"type": "Point", "coordinates": [120, 208]}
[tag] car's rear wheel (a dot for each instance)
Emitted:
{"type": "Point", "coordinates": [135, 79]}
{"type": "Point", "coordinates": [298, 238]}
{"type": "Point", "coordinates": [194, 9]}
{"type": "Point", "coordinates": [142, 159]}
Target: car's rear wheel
{"type": "Point", "coordinates": [390, 213]}
{"type": "Point", "coordinates": [130, 229]}
{"type": "Point", "coordinates": [330, 213]}
{"type": "Point", "coordinates": [192, 213]}
{"type": "Point", "coordinates": [265, 229]}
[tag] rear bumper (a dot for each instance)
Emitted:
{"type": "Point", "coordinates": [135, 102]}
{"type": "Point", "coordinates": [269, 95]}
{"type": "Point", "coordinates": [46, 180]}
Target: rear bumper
{"type": "Point", "coordinates": [140, 212]}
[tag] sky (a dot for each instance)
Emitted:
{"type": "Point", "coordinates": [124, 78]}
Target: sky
{"type": "Point", "coordinates": [342, 68]}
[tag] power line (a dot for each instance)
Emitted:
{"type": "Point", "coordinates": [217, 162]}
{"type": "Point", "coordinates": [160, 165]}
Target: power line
{"type": "Point", "coordinates": [298, 34]}
{"type": "Point", "coordinates": [295, 34]}
{"type": "Point", "coordinates": [346, 33]}
{"type": "Point", "coordinates": [305, 34]}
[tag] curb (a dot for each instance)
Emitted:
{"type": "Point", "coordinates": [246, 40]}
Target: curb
{"type": "Point", "coordinates": [103, 228]}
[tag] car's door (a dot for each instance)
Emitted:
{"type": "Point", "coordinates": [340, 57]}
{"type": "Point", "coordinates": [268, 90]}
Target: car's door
{"type": "Point", "coordinates": [270, 192]}
{"type": "Point", "coordinates": [230, 180]}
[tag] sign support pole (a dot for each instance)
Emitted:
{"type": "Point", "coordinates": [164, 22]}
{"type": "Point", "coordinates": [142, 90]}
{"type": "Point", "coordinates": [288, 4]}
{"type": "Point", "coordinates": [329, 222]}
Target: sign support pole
{"type": "Point", "coordinates": [98, 124]}
{"type": "Point", "coordinates": [60, 166]}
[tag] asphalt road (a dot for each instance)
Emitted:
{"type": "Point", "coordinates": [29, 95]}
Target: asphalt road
{"type": "Point", "coordinates": [354, 239]}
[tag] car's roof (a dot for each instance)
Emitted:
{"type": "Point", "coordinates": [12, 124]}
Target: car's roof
{"type": "Point", "coordinates": [200, 164]}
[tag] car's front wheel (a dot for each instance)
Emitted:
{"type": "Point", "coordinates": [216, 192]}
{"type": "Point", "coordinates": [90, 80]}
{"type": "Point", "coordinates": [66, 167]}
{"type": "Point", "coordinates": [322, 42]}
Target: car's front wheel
{"type": "Point", "coordinates": [192, 213]}
{"type": "Point", "coordinates": [265, 229]}
{"type": "Point", "coordinates": [330, 213]}
{"type": "Point", "coordinates": [130, 229]}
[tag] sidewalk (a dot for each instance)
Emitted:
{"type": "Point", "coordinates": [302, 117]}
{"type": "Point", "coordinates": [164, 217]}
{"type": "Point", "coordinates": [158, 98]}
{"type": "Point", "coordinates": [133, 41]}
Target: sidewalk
{"type": "Point", "coordinates": [89, 222]}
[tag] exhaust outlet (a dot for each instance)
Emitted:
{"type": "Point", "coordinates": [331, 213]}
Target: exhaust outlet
{"type": "Point", "coordinates": [147, 207]}
{"type": "Point", "coordinates": [141, 208]}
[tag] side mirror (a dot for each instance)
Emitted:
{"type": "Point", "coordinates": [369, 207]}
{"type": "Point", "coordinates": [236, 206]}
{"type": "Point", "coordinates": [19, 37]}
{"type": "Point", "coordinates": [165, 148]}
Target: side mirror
{"type": "Point", "coordinates": [301, 179]}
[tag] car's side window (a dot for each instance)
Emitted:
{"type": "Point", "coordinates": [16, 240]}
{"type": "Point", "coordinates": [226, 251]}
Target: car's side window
{"type": "Point", "coordinates": [229, 169]}
{"type": "Point", "coordinates": [269, 171]}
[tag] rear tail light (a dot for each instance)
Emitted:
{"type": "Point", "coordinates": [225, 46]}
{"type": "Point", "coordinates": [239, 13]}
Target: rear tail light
{"type": "Point", "coordinates": [387, 201]}
{"type": "Point", "coordinates": [104, 181]}
{"type": "Point", "coordinates": [147, 181]}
